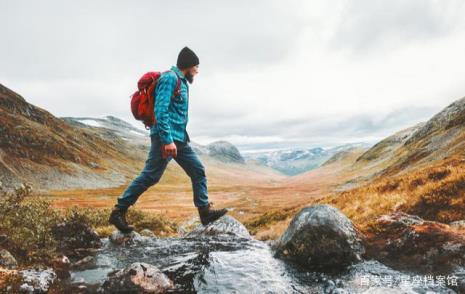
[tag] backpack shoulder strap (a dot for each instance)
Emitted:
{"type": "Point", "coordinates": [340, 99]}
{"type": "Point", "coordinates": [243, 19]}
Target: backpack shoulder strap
{"type": "Point", "coordinates": [178, 87]}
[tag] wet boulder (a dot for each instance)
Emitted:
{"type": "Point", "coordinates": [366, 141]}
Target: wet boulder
{"type": "Point", "coordinates": [76, 239]}
{"type": "Point", "coordinates": [226, 226]}
{"type": "Point", "coordinates": [138, 277]}
{"type": "Point", "coordinates": [61, 266]}
{"type": "Point", "coordinates": [321, 237]}
{"type": "Point", "coordinates": [7, 260]}
{"type": "Point", "coordinates": [408, 242]}
{"type": "Point", "coordinates": [36, 280]}
{"type": "Point", "coordinates": [120, 238]}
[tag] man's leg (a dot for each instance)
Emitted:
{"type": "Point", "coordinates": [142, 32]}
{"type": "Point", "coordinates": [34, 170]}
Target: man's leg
{"type": "Point", "coordinates": [154, 167]}
{"type": "Point", "coordinates": [190, 162]}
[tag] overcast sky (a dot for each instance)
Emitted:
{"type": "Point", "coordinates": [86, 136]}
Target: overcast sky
{"type": "Point", "coordinates": [272, 73]}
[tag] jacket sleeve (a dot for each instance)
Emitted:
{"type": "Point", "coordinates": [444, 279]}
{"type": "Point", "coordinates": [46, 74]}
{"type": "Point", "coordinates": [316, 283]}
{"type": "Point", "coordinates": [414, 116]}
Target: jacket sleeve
{"type": "Point", "coordinates": [163, 92]}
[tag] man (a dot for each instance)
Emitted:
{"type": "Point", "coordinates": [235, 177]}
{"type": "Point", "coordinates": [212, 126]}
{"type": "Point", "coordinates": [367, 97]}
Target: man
{"type": "Point", "coordinates": [169, 139]}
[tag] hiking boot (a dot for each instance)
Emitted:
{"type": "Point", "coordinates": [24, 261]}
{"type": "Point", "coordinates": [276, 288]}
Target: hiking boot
{"type": "Point", "coordinates": [124, 213]}
{"type": "Point", "coordinates": [208, 215]}
{"type": "Point", "coordinates": [118, 219]}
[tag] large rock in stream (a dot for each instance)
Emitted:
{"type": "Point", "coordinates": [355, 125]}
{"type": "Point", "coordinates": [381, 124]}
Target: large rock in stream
{"type": "Point", "coordinates": [321, 237]}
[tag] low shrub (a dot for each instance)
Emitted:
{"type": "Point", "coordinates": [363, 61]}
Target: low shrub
{"type": "Point", "coordinates": [27, 221]}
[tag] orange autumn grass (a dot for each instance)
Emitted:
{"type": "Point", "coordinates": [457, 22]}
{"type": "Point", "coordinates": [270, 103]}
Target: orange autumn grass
{"type": "Point", "coordinates": [433, 193]}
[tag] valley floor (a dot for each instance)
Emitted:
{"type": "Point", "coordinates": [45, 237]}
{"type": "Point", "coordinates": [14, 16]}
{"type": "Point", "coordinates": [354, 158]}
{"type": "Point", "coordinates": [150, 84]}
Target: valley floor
{"type": "Point", "coordinates": [265, 203]}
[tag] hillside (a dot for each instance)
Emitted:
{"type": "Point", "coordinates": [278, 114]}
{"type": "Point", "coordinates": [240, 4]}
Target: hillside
{"type": "Point", "coordinates": [442, 137]}
{"type": "Point", "coordinates": [90, 153]}
{"type": "Point", "coordinates": [39, 148]}
{"type": "Point", "coordinates": [419, 171]}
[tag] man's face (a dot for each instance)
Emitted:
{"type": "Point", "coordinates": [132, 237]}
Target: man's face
{"type": "Point", "coordinates": [191, 72]}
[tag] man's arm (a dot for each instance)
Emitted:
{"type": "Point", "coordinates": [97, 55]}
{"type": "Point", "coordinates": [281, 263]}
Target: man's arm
{"type": "Point", "coordinates": [164, 90]}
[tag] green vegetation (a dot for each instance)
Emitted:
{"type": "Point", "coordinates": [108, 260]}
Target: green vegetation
{"type": "Point", "coordinates": [26, 222]}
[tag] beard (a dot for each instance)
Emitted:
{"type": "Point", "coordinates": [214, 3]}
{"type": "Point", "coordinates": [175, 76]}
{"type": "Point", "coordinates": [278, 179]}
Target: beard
{"type": "Point", "coordinates": [189, 77]}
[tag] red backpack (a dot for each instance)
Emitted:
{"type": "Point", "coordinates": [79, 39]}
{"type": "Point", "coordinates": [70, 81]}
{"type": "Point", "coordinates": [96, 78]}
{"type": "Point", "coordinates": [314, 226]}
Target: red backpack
{"type": "Point", "coordinates": [143, 101]}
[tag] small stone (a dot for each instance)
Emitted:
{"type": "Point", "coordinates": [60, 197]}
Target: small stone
{"type": "Point", "coordinates": [460, 224]}
{"type": "Point", "coordinates": [85, 263]}
{"type": "Point", "coordinates": [7, 260]}
{"type": "Point", "coordinates": [139, 277]}
{"type": "Point", "coordinates": [37, 281]}
{"type": "Point", "coordinates": [120, 238]}
{"type": "Point", "coordinates": [147, 233]}
{"type": "Point", "coordinates": [339, 291]}
{"type": "Point", "coordinates": [61, 266]}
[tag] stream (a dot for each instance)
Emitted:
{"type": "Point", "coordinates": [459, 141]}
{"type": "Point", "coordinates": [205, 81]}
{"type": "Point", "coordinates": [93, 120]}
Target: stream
{"type": "Point", "coordinates": [237, 263]}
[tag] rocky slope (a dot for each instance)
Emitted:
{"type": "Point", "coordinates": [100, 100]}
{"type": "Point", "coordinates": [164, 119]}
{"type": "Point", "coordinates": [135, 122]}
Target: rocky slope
{"type": "Point", "coordinates": [442, 137]}
{"type": "Point", "coordinates": [439, 138]}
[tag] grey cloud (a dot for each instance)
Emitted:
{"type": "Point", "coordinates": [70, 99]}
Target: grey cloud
{"type": "Point", "coordinates": [71, 39]}
{"type": "Point", "coordinates": [92, 52]}
{"type": "Point", "coordinates": [359, 125]}
{"type": "Point", "coordinates": [368, 24]}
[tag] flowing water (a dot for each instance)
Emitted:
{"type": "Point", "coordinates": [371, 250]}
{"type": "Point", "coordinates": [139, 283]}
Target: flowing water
{"type": "Point", "coordinates": [237, 265]}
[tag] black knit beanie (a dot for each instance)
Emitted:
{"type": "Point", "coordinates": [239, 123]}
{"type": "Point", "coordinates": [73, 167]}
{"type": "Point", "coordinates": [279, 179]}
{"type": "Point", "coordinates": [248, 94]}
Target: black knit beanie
{"type": "Point", "coordinates": [187, 58]}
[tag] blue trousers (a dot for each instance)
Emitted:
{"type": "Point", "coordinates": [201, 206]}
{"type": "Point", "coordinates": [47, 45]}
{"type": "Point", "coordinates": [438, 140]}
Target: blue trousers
{"type": "Point", "coordinates": [154, 167]}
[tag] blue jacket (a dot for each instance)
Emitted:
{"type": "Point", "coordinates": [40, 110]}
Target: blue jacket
{"type": "Point", "coordinates": [171, 114]}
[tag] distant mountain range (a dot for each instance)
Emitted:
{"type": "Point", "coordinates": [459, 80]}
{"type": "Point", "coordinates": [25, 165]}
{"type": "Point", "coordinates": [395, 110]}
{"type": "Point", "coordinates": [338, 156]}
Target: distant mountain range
{"type": "Point", "coordinates": [295, 161]}
{"type": "Point", "coordinates": [288, 162]}
{"type": "Point", "coordinates": [220, 150]}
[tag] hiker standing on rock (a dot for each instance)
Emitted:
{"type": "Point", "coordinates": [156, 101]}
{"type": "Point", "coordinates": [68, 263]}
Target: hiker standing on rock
{"type": "Point", "coordinates": [169, 139]}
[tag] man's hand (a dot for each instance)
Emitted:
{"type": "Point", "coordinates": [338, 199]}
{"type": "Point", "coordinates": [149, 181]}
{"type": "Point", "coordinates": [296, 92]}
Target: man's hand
{"type": "Point", "coordinates": [167, 150]}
